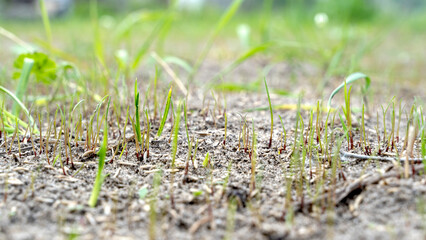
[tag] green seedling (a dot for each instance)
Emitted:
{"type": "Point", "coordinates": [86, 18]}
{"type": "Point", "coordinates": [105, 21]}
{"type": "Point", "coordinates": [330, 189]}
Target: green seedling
{"type": "Point", "coordinates": [174, 151]}
{"type": "Point", "coordinates": [350, 79]}
{"type": "Point", "coordinates": [165, 114]}
{"type": "Point", "coordinates": [364, 137]}
{"type": "Point", "coordinates": [148, 127]}
{"type": "Point", "coordinates": [185, 114]}
{"type": "Point", "coordinates": [137, 116]}
{"type": "Point", "coordinates": [348, 115]}
{"type": "Point", "coordinates": [284, 134]}
{"type": "Point", "coordinates": [345, 130]}
{"type": "Point", "coordinates": [206, 160]}
{"type": "Point", "coordinates": [399, 121]}
{"type": "Point", "coordinates": [272, 114]}
{"type": "Point", "coordinates": [100, 177]}
{"type": "Point", "coordinates": [423, 147]}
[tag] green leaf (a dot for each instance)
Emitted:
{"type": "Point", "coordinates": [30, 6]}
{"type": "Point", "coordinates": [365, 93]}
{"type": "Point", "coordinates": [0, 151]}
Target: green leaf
{"type": "Point", "coordinates": [44, 68]}
{"type": "Point", "coordinates": [350, 79]}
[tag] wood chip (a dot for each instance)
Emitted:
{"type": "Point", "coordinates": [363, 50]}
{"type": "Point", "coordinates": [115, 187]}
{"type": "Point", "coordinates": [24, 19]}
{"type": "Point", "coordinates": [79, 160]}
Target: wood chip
{"type": "Point", "coordinates": [143, 167]}
{"type": "Point", "coordinates": [127, 163]}
{"type": "Point", "coordinates": [44, 200]}
{"type": "Point", "coordinates": [14, 182]}
{"type": "Point", "coordinates": [199, 223]}
{"type": "Point", "coordinates": [21, 169]}
{"type": "Point", "coordinates": [117, 173]}
{"type": "Point", "coordinates": [67, 178]}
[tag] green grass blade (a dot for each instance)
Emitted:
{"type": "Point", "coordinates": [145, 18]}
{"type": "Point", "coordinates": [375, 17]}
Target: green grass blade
{"type": "Point", "coordinates": [46, 22]}
{"type": "Point", "coordinates": [272, 113]}
{"type": "Point", "coordinates": [140, 53]}
{"type": "Point", "coordinates": [180, 62]}
{"type": "Point", "coordinates": [244, 57]}
{"type": "Point", "coordinates": [206, 160]}
{"type": "Point", "coordinates": [137, 116]}
{"type": "Point", "coordinates": [226, 17]}
{"type": "Point", "coordinates": [176, 135]}
{"type": "Point", "coordinates": [166, 113]}
{"type": "Point", "coordinates": [102, 154]}
{"type": "Point", "coordinates": [350, 79]}
{"type": "Point", "coordinates": [23, 83]}
{"type": "Point", "coordinates": [19, 104]}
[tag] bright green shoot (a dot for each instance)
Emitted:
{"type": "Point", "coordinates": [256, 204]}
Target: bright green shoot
{"type": "Point", "coordinates": [206, 160]}
{"type": "Point", "coordinates": [23, 83]}
{"type": "Point", "coordinates": [272, 114]}
{"type": "Point", "coordinates": [350, 79]}
{"type": "Point", "coordinates": [46, 22]}
{"type": "Point", "coordinates": [348, 113]}
{"type": "Point", "coordinates": [102, 154]}
{"type": "Point", "coordinates": [137, 116]}
{"type": "Point", "coordinates": [165, 114]}
{"type": "Point", "coordinates": [174, 150]}
{"type": "Point", "coordinates": [345, 130]}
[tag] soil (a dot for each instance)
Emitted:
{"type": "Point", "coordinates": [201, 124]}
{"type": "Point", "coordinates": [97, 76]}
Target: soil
{"type": "Point", "coordinates": [37, 201]}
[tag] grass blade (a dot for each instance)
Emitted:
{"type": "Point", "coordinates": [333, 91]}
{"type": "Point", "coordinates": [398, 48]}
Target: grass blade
{"type": "Point", "coordinates": [226, 17]}
{"type": "Point", "coordinates": [165, 114]}
{"type": "Point", "coordinates": [137, 116]}
{"type": "Point", "coordinates": [102, 154]}
{"type": "Point", "coordinates": [23, 83]}
{"type": "Point", "coordinates": [46, 22]}
{"type": "Point", "coordinates": [272, 114]}
{"type": "Point", "coordinates": [245, 56]}
{"type": "Point", "coordinates": [19, 104]}
{"type": "Point", "coordinates": [350, 79]}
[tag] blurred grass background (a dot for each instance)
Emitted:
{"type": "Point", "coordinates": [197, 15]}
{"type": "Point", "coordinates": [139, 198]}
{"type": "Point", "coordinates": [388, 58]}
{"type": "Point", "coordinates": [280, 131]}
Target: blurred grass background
{"type": "Point", "coordinates": [381, 38]}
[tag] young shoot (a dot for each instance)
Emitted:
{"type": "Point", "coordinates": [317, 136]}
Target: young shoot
{"type": "Point", "coordinates": [271, 112]}
{"type": "Point", "coordinates": [100, 177]}
{"type": "Point", "coordinates": [165, 114]}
